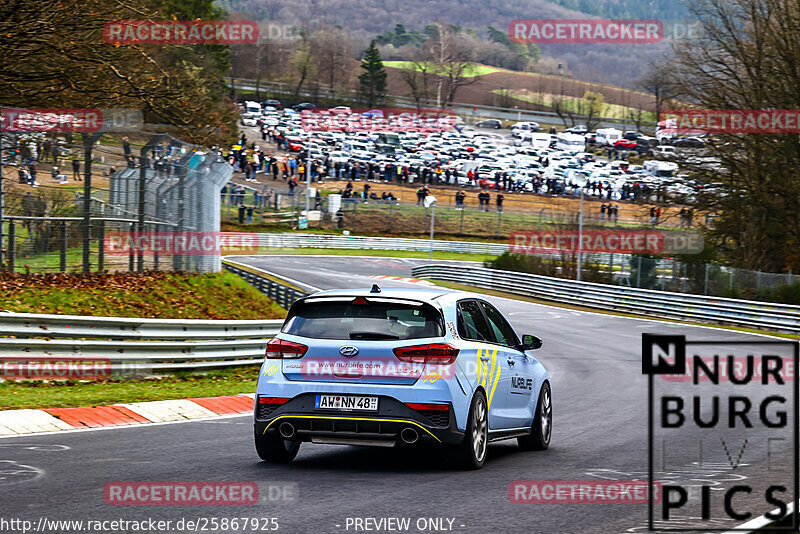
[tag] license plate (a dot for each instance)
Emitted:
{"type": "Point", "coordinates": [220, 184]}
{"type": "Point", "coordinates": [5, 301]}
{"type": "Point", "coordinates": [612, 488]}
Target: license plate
{"type": "Point", "coordinates": [346, 403]}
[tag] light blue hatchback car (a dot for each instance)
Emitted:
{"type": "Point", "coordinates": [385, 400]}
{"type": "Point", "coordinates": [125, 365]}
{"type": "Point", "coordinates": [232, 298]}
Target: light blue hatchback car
{"type": "Point", "coordinates": [397, 368]}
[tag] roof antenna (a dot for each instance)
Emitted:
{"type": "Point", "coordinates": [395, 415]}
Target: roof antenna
{"type": "Point", "coordinates": [375, 289]}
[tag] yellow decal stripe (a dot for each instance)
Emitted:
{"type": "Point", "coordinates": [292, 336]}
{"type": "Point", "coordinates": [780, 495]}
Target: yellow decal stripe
{"type": "Point", "coordinates": [495, 377]}
{"type": "Point", "coordinates": [350, 419]}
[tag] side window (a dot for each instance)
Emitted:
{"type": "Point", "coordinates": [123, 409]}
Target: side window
{"type": "Point", "coordinates": [503, 333]}
{"type": "Point", "coordinates": [471, 324]}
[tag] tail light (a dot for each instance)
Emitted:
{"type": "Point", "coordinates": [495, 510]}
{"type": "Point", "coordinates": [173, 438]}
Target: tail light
{"type": "Point", "coordinates": [278, 349]}
{"type": "Point", "coordinates": [273, 400]}
{"type": "Point", "coordinates": [425, 406]}
{"type": "Point", "coordinates": [434, 353]}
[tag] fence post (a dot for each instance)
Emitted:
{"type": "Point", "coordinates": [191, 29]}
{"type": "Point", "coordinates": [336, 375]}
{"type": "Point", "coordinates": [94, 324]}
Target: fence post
{"type": "Point", "coordinates": [12, 229]}
{"type": "Point", "coordinates": [758, 281]}
{"type": "Point", "coordinates": [155, 249]}
{"type": "Point", "coordinates": [133, 246]}
{"type": "Point", "coordinates": [63, 249]}
{"type": "Point", "coordinates": [639, 274]}
{"type": "Point", "coordinates": [705, 283]}
{"type": "Point", "coordinates": [499, 222]}
{"type": "Point", "coordinates": [101, 251]}
{"type": "Point", "coordinates": [461, 226]}
{"type": "Point", "coordinates": [730, 281]}
{"type": "Point", "coordinates": [88, 143]}
{"type": "Point", "coordinates": [391, 210]}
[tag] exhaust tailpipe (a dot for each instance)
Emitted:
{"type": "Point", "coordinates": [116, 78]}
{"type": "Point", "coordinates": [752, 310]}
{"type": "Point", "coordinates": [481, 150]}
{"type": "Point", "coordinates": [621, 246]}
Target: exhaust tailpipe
{"type": "Point", "coordinates": [409, 435]}
{"type": "Point", "coordinates": [286, 430]}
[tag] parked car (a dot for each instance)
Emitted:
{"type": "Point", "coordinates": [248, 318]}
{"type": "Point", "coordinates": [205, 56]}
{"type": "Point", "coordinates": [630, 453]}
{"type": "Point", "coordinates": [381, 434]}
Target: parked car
{"type": "Point", "coordinates": [578, 129]}
{"type": "Point", "coordinates": [271, 103]}
{"type": "Point", "coordinates": [490, 123]}
{"type": "Point", "coordinates": [305, 106]}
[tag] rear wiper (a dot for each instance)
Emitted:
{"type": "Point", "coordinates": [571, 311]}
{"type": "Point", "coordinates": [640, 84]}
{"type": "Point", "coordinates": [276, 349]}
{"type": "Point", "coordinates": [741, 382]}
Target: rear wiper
{"type": "Point", "coordinates": [372, 335]}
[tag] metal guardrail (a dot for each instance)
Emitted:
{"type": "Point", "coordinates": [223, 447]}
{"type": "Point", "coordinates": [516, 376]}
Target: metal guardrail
{"type": "Point", "coordinates": [129, 344]}
{"type": "Point", "coordinates": [291, 240]}
{"type": "Point", "coordinates": [142, 346]}
{"type": "Point", "coordinates": [284, 296]}
{"type": "Point", "coordinates": [680, 306]}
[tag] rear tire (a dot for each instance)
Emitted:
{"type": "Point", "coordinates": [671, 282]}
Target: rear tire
{"type": "Point", "coordinates": [542, 427]}
{"type": "Point", "coordinates": [472, 452]}
{"type": "Point", "coordinates": [271, 447]}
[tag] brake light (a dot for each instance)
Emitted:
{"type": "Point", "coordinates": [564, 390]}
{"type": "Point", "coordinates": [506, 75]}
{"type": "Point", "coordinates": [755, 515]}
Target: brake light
{"type": "Point", "coordinates": [434, 353]}
{"type": "Point", "coordinates": [273, 400]}
{"type": "Point", "coordinates": [434, 407]}
{"type": "Point", "coordinates": [281, 349]}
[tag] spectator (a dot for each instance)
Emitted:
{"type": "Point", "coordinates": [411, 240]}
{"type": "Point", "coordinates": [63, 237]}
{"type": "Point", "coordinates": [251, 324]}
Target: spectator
{"type": "Point", "coordinates": [616, 213]}
{"type": "Point", "coordinates": [460, 196]}
{"type": "Point", "coordinates": [292, 184]}
{"type": "Point", "coordinates": [682, 213]}
{"type": "Point", "coordinates": [242, 211]}
{"type": "Point", "coordinates": [653, 215]}
{"type": "Point", "coordinates": [250, 214]}
{"type": "Point", "coordinates": [603, 209]}
{"type": "Point", "coordinates": [76, 169]}
{"type": "Point", "coordinates": [689, 216]}
{"type": "Point", "coordinates": [499, 200]}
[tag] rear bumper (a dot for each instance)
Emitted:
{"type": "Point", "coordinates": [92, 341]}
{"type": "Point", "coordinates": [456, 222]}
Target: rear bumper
{"type": "Point", "coordinates": [394, 421]}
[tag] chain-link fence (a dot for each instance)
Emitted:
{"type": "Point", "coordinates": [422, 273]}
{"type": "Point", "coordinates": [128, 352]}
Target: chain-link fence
{"type": "Point", "coordinates": [109, 202]}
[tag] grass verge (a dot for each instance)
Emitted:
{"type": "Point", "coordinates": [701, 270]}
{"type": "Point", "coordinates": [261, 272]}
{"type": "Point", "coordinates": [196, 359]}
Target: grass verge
{"type": "Point", "coordinates": [153, 294]}
{"type": "Point", "coordinates": [66, 394]}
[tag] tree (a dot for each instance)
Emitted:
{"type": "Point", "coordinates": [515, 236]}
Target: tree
{"type": "Point", "coordinates": [372, 81]}
{"type": "Point", "coordinates": [53, 55]}
{"type": "Point", "coordinates": [303, 63]}
{"type": "Point", "coordinates": [747, 58]}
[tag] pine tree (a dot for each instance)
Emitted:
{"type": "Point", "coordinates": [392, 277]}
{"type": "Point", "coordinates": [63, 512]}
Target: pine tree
{"type": "Point", "coordinates": [372, 81]}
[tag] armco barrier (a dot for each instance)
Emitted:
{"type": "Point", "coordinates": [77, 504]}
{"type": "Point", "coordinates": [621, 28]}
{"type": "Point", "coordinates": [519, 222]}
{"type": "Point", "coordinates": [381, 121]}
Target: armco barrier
{"type": "Point", "coordinates": [291, 240]}
{"type": "Point", "coordinates": [684, 307]}
{"type": "Point", "coordinates": [136, 344]}
{"type": "Point", "coordinates": [283, 295]}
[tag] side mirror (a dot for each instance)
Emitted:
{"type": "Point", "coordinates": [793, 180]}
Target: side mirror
{"type": "Point", "coordinates": [530, 342]}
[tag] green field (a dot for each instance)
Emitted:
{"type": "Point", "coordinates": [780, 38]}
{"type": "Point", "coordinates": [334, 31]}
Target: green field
{"type": "Point", "coordinates": [475, 70]}
{"type": "Point", "coordinates": [572, 104]}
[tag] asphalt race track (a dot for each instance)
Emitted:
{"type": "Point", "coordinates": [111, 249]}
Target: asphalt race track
{"type": "Point", "coordinates": [600, 431]}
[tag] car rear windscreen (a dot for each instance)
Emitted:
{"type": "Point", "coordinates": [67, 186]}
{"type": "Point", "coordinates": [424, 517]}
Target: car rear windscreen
{"type": "Point", "coordinates": [364, 319]}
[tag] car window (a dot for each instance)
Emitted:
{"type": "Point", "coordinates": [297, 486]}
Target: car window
{"type": "Point", "coordinates": [371, 319]}
{"type": "Point", "coordinates": [471, 323]}
{"type": "Point", "coordinates": [503, 333]}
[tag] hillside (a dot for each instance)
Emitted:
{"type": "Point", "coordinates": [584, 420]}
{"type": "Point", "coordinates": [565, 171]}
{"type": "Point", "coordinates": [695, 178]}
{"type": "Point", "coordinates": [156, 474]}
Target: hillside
{"type": "Point", "coordinates": [618, 64]}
